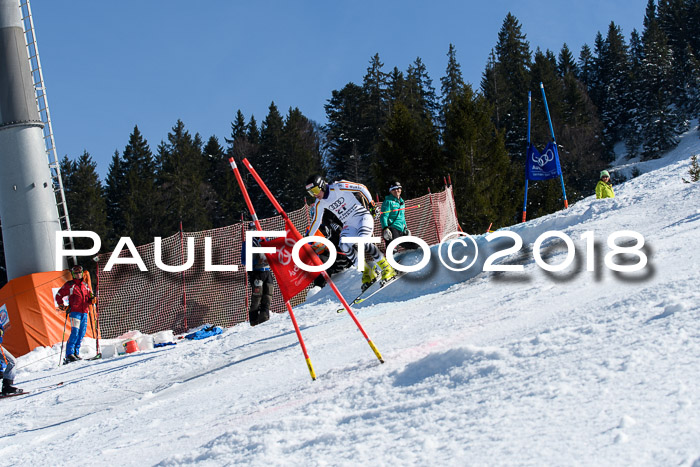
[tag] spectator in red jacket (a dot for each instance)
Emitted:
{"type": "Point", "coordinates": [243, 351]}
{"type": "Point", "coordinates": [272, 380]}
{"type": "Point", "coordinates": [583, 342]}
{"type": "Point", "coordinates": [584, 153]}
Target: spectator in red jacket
{"type": "Point", "coordinates": [79, 299]}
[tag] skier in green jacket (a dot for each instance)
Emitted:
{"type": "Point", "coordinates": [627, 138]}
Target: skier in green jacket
{"type": "Point", "coordinates": [393, 216]}
{"type": "Point", "coordinates": [604, 188]}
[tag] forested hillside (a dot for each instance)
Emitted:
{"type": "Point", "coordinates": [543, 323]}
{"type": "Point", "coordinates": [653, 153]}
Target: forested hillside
{"type": "Point", "coordinates": [633, 93]}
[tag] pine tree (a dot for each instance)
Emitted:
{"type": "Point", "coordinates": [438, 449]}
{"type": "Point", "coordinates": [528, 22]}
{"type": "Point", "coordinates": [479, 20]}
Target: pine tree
{"type": "Point", "coordinates": [660, 123]}
{"type": "Point", "coordinates": [228, 202]}
{"type": "Point", "coordinates": [674, 19]}
{"type": "Point", "coordinates": [183, 192]}
{"type": "Point", "coordinates": [86, 203]}
{"type": "Point", "coordinates": [566, 63]}
{"type": "Point", "coordinates": [585, 66]}
{"type": "Point", "coordinates": [139, 212]}
{"type": "Point", "coordinates": [398, 89]}
{"type": "Point", "coordinates": [408, 152]}
{"type": "Point", "coordinates": [115, 192]}
{"type": "Point", "coordinates": [693, 170]}
{"type": "Point", "coordinates": [419, 80]}
{"type": "Point", "coordinates": [301, 157]}
{"type": "Point", "coordinates": [452, 83]}
{"type": "Point", "coordinates": [512, 67]}
{"type": "Point", "coordinates": [374, 115]}
{"type": "Point", "coordinates": [633, 130]}
{"type": "Point", "coordinates": [477, 159]}
{"type": "Point", "coordinates": [346, 146]}
{"type": "Point", "coordinates": [492, 84]}
{"type": "Point", "coordinates": [269, 162]}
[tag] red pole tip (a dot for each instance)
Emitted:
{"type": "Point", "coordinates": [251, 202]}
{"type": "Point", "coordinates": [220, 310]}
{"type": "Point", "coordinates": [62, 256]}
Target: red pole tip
{"type": "Point", "coordinates": [230, 159]}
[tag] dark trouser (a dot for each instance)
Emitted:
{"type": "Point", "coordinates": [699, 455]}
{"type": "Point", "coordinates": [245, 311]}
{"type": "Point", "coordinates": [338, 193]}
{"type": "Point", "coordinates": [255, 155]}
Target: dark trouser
{"type": "Point", "coordinates": [395, 233]}
{"type": "Point", "coordinates": [262, 285]}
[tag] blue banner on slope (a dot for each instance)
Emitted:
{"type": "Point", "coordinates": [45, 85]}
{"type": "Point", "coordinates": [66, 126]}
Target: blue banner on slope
{"type": "Point", "coordinates": [542, 166]}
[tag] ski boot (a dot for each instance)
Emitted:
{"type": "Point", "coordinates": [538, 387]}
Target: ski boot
{"type": "Point", "coordinates": [69, 359]}
{"type": "Point", "coordinates": [77, 356]}
{"type": "Point", "coordinates": [369, 277]}
{"type": "Point", "coordinates": [388, 273]}
{"type": "Point", "coordinates": [8, 388]}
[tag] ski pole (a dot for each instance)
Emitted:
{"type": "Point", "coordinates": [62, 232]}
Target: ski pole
{"type": "Point", "coordinates": [401, 209]}
{"type": "Point", "coordinates": [3, 355]}
{"type": "Point", "coordinates": [63, 338]}
{"type": "Point", "coordinates": [96, 305]}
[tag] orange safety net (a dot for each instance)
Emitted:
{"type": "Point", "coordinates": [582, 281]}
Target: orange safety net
{"type": "Point", "coordinates": [34, 320]}
{"type": "Point", "coordinates": [155, 300]}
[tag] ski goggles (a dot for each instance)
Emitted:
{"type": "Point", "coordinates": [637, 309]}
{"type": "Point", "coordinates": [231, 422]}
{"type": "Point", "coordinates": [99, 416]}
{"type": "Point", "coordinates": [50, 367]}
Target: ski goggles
{"type": "Point", "coordinates": [313, 190]}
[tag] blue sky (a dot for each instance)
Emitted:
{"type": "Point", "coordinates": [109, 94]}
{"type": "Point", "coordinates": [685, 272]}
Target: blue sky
{"type": "Point", "coordinates": [111, 65]}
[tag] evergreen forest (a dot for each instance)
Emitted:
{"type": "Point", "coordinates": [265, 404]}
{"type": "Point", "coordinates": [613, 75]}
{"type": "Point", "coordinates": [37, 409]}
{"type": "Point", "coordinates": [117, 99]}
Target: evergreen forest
{"type": "Point", "coordinates": [631, 95]}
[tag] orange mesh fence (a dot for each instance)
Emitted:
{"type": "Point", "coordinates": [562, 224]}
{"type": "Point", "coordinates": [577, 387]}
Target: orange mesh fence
{"type": "Point", "coordinates": [155, 300]}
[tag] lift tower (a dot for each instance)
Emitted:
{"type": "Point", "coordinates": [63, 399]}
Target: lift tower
{"type": "Point", "coordinates": [30, 184]}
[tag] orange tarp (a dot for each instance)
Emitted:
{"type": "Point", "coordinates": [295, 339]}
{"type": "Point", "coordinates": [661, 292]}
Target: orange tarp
{"type": "Point", "coordinates": [34, 318]}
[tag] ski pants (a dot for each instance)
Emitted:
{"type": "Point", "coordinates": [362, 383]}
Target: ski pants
{"type": "Point", "coordinates": [262, 285]}
{"type": "Point", "coordinates": [364, 228]}
{"type": "Point", "coordinates": [78, 327]}
{"type": "Point", "coordinates": [396, 233]}
{"type": "Point", "coordinates": [9, 360]}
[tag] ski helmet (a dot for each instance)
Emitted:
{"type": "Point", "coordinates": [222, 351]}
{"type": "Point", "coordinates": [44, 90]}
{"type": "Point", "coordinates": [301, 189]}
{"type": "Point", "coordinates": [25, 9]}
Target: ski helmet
{"type": "Point", "coordinates": [76, 270]}
{"type": "Point", "coordinates": [315, 184]}
{"type": "Point", "coordinates": [395, 186]}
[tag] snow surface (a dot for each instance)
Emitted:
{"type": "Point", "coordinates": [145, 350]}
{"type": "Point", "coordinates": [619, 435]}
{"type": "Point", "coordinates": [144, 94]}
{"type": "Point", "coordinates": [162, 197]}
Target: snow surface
{"type": "Point", "coordinates": [492, 368]}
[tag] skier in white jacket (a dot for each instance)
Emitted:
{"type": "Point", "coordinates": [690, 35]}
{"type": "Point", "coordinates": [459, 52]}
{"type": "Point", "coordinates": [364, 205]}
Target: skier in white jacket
{"type": "Point", "coordinates": [352, 205]}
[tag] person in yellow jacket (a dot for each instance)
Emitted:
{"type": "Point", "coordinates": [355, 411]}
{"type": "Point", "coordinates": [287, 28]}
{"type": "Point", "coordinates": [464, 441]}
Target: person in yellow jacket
{"type": "Point", "coordinates": [604, 188]}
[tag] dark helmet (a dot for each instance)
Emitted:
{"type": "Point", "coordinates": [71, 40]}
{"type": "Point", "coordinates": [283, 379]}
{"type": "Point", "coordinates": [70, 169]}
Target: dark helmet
{"type": "Point", "coordinates": [76, 270]}
{"type": "Point", "coordinates": [395, 185]}
{"type": "Point", "coordinates": [315, 184]}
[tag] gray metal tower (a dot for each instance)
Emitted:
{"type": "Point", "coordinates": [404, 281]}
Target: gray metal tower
{"type": "Point", "coordinates": [28, 207]}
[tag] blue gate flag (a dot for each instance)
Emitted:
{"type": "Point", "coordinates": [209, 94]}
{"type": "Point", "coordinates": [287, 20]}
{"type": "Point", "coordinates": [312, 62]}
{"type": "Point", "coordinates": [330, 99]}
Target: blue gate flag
{"type": "Point", "coordinates": [542, 166]}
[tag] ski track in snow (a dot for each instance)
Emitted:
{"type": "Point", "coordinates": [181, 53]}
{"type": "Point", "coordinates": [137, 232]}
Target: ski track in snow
{"type": "Point", "coordinates": [576, 367]}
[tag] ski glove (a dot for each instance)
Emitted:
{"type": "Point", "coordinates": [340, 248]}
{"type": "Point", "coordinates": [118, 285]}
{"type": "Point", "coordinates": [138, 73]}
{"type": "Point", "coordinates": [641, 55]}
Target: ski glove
{"type": "Point", "coordinates": [386, 233]}
{"type": "Point", "coordinates": [373, 209]}
{"type": "Point", "coordinates": [63, 308]}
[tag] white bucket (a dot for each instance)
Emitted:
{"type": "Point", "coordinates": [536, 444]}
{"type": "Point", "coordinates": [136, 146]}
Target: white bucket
{"type": "Point", "coordinates": [163, 337]}
{"type": "Point", "coordinates": [108, 351]}
{"type": "Point", "coordinates": [145, 342]}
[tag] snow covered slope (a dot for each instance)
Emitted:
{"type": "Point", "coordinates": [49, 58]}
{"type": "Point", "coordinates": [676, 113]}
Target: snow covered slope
{"type": "Point", "coordinates": [573, 367]}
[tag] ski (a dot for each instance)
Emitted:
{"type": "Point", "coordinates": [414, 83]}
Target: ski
{"type": "Point", "coordinates": [361, 298]}
{"type": "Point", "coordinates": [2, 396]}
{"type": "Point", "coordinates": [34, 391]}
{"type": "Point", "coordinates": [96, 357]}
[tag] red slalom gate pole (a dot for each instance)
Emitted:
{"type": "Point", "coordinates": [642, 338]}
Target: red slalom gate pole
{"type": "Point", "coordinates": [251, 209]}
{"type": "Point", "coordinates": [326, 276]}
{"type": "Point", "coordinates": [301, 341]}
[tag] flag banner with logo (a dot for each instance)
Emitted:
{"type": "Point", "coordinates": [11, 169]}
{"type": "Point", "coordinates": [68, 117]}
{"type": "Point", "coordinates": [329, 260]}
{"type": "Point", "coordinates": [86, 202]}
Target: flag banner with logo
{"type": "Point", "coordinates": [291, 279]}
{"type": "Point", "coordinates": [542, 166]}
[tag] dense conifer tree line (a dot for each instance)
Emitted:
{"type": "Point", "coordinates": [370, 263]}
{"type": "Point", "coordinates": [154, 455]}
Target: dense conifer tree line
{"type": "Point", "coordinates": [633, 95]}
